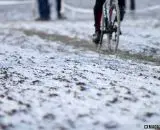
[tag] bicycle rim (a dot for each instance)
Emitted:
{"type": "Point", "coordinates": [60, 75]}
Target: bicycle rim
{"type": "Point", "coordinates": [103, 26]}
{"type": "Point", "coordinates": [114, 13]}
{"type": "Point", "coordinates": [118, 25]}
{"type": "Point", "coordinates": [102, 29]}
{"type": "Point", "coordinates": [109, 35]}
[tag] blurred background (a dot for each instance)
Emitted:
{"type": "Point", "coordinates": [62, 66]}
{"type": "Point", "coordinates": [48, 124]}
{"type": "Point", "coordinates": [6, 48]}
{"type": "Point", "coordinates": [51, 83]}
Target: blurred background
{"type": "Point", "coordinates": [73, 9]}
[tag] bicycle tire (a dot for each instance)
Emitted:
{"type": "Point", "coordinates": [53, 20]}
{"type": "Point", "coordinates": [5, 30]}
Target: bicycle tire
{"type": "Point", "coordinates": [109, 35]}
{"type": "Point", "coordinates": [118, 25]}
{"type": "Point", "coordinates": [113, 44]}
{"type": "Point", "coordinates": [107, 24]}
{"type": "Point", "coordinates": [104, 22]}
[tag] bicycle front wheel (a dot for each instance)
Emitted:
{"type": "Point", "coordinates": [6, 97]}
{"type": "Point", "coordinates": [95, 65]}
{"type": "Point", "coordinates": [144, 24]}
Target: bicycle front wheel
{"type": "Point", "coordinates": [113, 25]}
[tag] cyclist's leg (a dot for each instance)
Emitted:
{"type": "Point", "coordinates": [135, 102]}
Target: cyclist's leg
{"type": "Point", "coordinates": [97, 19]}
{"type": "Point", "coordinates": [122, 6]}
{"type": "Point", "coordinates": [98, 13]}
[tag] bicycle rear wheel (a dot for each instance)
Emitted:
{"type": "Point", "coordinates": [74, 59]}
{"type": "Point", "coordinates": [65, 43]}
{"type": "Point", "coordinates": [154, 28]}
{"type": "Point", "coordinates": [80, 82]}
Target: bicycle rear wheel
{"type": "Point", "coordinates": [104, 23]}
{"type": "Point", "coordinates": [117, 34]}
{"type": "Point", "coordinates": [113, 25]}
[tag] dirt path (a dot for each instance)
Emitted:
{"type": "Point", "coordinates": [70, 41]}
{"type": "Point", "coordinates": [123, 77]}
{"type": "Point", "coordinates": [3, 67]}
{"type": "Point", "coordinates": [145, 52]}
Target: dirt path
{"type": "Point", "coordinates": [85, 45]}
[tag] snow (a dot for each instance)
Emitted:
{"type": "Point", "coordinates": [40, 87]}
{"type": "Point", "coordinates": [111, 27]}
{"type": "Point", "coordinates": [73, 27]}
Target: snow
{"type": "Point", "coordinates": [136, 37]}
{"type": "Point", "coordinates": [60, 82]}
{"type": "Point", "coordinates": [48, 85]}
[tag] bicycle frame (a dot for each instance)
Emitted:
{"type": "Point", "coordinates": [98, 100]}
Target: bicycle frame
{"type": "Point", "coordinates": [108, 26]}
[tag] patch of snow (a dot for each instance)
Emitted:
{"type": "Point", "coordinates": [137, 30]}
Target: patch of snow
{"type": "Point", "coordinates": [46, 85]}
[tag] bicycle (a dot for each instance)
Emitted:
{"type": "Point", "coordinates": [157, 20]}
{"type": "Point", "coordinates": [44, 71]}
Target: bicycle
{"type": "Point", "coordinates": [110, 24]}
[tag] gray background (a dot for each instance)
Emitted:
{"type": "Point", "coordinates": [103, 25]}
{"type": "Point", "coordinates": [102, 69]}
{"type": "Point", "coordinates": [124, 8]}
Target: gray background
{"type": "Point", "coordinates": [24, 12]}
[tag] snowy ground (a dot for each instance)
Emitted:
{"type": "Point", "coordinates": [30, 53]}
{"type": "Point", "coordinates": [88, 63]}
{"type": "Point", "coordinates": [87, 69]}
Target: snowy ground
{"type": "Point", "coordinates": [46, 85]}
{"type": "Point", "coordinates": [52, 78]}
{"type": "Point", "coordinates": [136, 38]}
